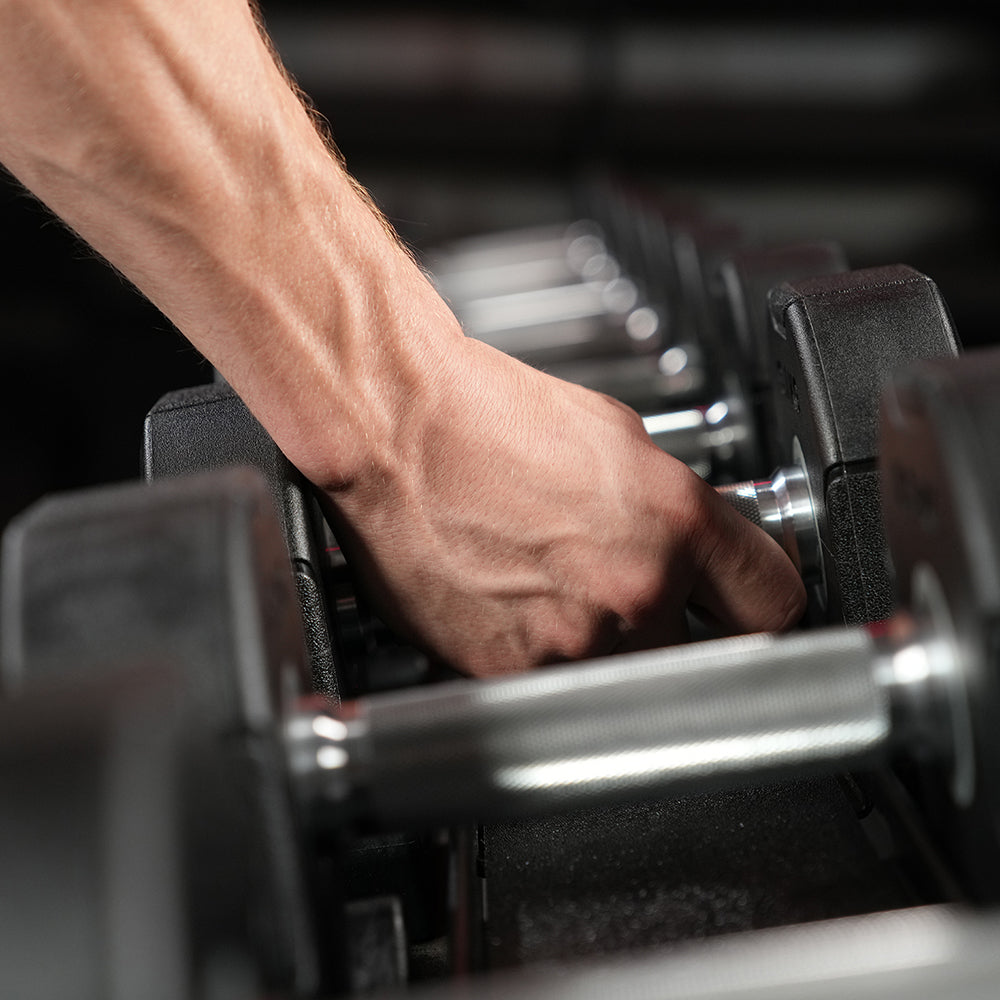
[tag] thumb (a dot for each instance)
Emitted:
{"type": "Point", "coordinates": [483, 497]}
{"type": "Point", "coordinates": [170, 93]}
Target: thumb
{"type": "Point", "coordinates": [743, 580]}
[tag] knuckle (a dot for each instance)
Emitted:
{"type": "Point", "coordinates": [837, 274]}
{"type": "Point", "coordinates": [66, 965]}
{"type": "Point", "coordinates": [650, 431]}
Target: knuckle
{"type": "Point", "coordinates": [577, 638]}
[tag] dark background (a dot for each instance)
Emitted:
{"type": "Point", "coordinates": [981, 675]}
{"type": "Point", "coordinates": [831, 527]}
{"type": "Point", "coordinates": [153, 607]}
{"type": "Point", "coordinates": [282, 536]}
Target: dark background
{"type": "Point", "coordinates": [879, 130]}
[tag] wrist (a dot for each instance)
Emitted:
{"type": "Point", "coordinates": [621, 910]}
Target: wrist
{"type": "Point", "coordinates": [347, 394]}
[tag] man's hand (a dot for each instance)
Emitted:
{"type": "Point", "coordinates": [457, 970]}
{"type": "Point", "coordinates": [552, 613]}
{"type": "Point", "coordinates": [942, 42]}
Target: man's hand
{"type": "Point", "coordinates": [527, 521]}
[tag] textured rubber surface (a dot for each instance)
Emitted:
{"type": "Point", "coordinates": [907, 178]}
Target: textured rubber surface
{"type": "Point", "coordinates": [209, 427]}
{"type": "Point", "coordinates": [596, 882]}
{"type": "Point", "coordinates": [836, 341]}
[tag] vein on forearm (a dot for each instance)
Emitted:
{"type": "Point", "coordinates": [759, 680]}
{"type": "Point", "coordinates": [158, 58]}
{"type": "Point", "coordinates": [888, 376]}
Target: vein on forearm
{"type": "Point", "coordinates": [168, 135]}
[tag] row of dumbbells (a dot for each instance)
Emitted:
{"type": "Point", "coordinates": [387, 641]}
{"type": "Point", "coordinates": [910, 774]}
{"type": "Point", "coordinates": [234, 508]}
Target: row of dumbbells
{"type": "Point", "coordinates": [152, 651]}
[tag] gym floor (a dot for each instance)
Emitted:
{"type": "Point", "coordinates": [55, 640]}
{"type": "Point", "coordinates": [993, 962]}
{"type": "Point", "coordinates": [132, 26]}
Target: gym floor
{"type": "Point", "coordinates": [880, 132]}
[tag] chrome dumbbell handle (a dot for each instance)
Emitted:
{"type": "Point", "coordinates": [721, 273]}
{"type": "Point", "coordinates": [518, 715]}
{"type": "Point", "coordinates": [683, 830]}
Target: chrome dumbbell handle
{"type": "Point", "coordinates": [684, 719]}
{"type": "Point", "coordinates": [783, 507]}
{"type": "Point", "coordinates": [484, 268]}
{"type": "Point", "coordinates": [709, 439]}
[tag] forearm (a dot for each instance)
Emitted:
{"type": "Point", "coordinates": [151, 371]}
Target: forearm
{"type": "Point", "coordinates": [210, 188]}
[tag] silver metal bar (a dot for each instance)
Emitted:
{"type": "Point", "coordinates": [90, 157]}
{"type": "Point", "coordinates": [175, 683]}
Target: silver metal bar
{"type": "Point", "coordinates": [577, 240]}
{"type": "Point", "coordinates": [492, 317]}
{"type": "Point", "coordinates": [479, 269]}
{"type": "Point", "coordinates": [683, 719]}
{"type": "Point", "coordinates": [707, 438]}
{"type": "Point", "coordinates": [462, 285]}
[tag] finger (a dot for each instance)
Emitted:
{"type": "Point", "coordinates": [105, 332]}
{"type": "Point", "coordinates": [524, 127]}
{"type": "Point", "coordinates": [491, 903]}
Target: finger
{"type": "Point", "coordinates": [743, 580]}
